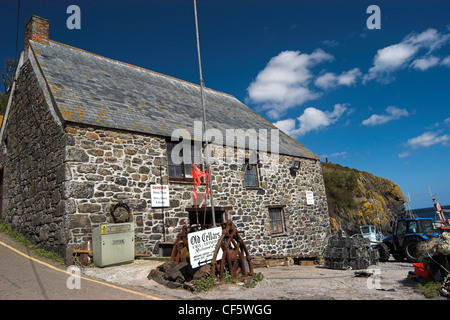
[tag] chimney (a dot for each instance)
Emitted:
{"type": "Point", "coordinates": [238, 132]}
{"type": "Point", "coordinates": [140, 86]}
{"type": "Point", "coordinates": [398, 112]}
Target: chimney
{"type": "Point", "coordinates": [36, 29]}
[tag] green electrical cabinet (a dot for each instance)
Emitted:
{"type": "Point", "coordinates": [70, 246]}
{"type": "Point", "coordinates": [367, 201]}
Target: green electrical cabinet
{"type": "Point", "coordinates": [113, 244]}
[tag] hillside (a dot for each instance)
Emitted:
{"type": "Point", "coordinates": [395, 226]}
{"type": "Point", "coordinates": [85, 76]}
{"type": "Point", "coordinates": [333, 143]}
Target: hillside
{"type": "Point", "coordinates": [357, 198]}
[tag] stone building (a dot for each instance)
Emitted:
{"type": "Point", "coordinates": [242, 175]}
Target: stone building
{"type": "Point", "coordinates": [83, 132]}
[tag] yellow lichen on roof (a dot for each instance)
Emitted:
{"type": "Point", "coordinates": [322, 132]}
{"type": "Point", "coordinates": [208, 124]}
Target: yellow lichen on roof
{"type": "Point", "coordinates": [66, 113]}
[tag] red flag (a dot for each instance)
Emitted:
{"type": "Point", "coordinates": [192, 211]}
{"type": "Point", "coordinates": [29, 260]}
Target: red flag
{"type": "Point", "coordinates": [197, 174]}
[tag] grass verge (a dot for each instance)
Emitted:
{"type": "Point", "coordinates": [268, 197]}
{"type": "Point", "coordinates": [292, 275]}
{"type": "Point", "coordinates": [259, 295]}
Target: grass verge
{"type": "Point", "coordinates": [14, 235]}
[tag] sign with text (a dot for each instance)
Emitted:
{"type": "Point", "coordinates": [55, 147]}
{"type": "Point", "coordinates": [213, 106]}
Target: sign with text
{"type": "Point", "coordinates": [309, 198]}
{"type": "Point", "coordinates": [160, 195]}
{"type": "Point", "coordinates": [202, 245]}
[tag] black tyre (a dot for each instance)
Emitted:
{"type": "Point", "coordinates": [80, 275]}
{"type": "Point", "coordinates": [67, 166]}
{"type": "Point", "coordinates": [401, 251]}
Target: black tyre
{"type": "Point", "coordinates": [410, 249]}
{"type": "Point", "coordinates": [383, 252]}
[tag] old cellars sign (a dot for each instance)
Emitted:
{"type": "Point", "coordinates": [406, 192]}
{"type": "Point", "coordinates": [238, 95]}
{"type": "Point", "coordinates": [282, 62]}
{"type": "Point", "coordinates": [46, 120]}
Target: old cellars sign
{"type": "Point", "coordinates": [202, 245]}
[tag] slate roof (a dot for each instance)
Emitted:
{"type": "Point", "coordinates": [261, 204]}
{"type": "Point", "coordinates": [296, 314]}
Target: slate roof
{"type": "Point", "coordinates": [94, 90]}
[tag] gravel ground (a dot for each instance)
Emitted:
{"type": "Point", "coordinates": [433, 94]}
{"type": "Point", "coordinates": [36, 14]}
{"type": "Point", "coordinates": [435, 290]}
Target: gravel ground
{"type": "Point", "coordinates": [389, 282]}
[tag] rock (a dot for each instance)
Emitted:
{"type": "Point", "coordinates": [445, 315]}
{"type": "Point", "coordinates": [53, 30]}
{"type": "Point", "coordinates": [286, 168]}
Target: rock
{"type": "Point", "coordinates": [79, 190]}
{"type": "Point", "coordinates": [189, 286]}
{"type": "Point", "coordinates": [175, 272]}
{"type": "Point", "coordinates": [154, 274]}
{"type": "Point", "coordinates": [166, 265]}
{"type": "Point", "coordinates": [358, 198]}
{"type": "Point", "coordinates": [157, 276]}
{"type": "Point", "coordinates": [76, 155]}
{"type": "Point", "coordinates": [203, 272]}
{"type": "Point", "coordinates": [174, 275]}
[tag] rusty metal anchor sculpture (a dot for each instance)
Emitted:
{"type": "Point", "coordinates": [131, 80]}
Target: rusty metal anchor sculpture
{"type": "Point", "coordinates": [236, 259]}
{"type": "Point", "coordinates": [180, 250]}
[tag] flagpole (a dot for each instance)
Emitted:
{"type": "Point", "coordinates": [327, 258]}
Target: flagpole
{"type": "Point", "coordinates": [202, 88]}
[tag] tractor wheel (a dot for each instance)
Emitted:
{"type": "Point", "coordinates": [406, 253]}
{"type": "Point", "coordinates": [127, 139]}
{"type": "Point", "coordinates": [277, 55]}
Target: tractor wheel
{"type": "Point", "coordinates": [383, 252]}
{"type": "Point", "coordinates": [410, 249]}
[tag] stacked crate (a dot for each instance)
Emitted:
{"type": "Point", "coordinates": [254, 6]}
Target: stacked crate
{"type": "Point", "coordinates": [349, 253]}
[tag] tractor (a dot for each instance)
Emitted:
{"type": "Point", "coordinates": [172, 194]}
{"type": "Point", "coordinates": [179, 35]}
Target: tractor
{"type": "Point", "coordinates": [369, 232]}
{"type": "Point", "coordinates": [407, 234]}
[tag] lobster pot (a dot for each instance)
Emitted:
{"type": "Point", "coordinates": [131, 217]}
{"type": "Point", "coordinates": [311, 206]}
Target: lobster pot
{"type": "Point", "coordinates": [344, 253]}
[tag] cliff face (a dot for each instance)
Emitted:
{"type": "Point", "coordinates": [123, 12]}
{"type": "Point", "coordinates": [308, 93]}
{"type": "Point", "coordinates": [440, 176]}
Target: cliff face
{"type": "Point", "coordinates": [357, 198]}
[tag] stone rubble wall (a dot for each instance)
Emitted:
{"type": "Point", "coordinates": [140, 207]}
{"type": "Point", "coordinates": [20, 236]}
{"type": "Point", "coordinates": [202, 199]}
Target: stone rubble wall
{"type": "Point", "coordinates": [32, 157]}
{"type": "Point", "coordinates": [106, 167]}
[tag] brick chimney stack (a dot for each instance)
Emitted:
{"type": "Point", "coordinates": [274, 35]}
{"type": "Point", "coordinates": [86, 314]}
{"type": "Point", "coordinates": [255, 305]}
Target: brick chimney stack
{"type": "Point", "coordinates": [36, 29]}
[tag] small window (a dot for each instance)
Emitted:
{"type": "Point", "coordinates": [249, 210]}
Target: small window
{"type": "Point", "coordinates": [250, 174]}
{"type": "Point", "coordinates": [276, 220]}
{"type": "Point", "coordinates": [401, 227]}
{"type": "Point", "coordinates": [199, 216]}
{"type": "Point", "coordinates": [182, 171]}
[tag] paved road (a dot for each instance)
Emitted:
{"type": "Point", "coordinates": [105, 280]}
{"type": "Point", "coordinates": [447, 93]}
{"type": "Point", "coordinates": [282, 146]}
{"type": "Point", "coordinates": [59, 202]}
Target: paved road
{"type": "Point", "coordinates": [23, 276]}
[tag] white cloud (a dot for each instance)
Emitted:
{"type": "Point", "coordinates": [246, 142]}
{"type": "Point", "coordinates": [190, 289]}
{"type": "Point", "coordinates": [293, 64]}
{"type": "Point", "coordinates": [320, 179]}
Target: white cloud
{"type": "Point", "coordinates": [342, 154]}
{"type": "Point", "coordinates": [446, 61]}
{"type": "Point", "coordinates": [331, 80]}
{"type": "Point", "coordinates": [398, 56]}
{"type": "Point", "coordinates": [428, 139]}
{"type": "Point", "coordinates": [392, 113]}
{"type": "Point", "coordinates": [430, 39]}
{"type": "Point", "coordinates": [425, 63]}
{"type": "Point", "coordinates": [284, 82]}
{"type": "Point", "coordinates": [311, 119]}
{"type": "Point", "coordinates": [392, 58]}
{"type": "Point", "coordinates": [286, 126]}
{"type": "Point", "coordinates": [330, 43]}
{"type": "Point", "coordinates": [404, 154]}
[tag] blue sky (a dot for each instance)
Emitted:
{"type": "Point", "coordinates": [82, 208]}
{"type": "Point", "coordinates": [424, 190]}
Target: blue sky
{"type": "Point", "coordinates": [375, 100]}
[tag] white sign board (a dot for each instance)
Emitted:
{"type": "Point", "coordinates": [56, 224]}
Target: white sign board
{"type": "Point", "coordinates": [309, 198]}
{"type": "Point", "coordinates": [202, 245]}
{"type": "Point", "coordinates": [160, 195]}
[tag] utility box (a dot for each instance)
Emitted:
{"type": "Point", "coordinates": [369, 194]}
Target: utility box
{"type": "Point", "coordinates": [113, 244]}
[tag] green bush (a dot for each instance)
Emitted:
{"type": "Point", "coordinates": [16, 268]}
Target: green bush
{"type": "Point", "coordinates": [429, 288]}
{"type": "Point", "coordinates": [204, 284]}
{"type": "Point", "coordinates": [251, 283]}
{"type": "Point", "coordinates": [340, 185]}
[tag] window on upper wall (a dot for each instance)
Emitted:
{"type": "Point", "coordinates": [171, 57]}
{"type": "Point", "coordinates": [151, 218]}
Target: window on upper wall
{"type": "Point", "coordinates": [276, 219]}
{"type": "Point", "coordinates": [251, 174]}
{"type": "Point", "coordinates": [182, 171]}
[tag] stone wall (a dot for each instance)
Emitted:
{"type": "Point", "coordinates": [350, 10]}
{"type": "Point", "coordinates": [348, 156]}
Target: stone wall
{"type": "Point", "coordinates": [305, 227]}
{"type": "Point", "coordinates": [106, 167]}
{"type": "Point", "coordinates": [32, 157]}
